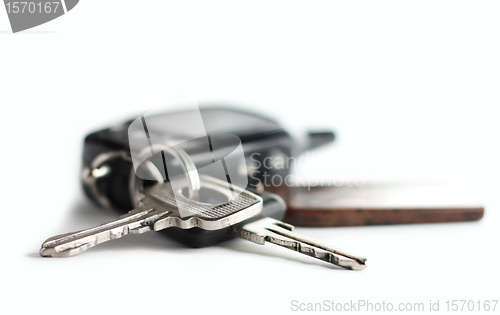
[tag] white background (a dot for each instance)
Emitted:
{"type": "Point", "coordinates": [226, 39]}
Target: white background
{"type": "Point", "coordinates": [412, 88]}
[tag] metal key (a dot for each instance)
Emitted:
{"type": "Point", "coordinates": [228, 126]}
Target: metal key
{"type": "Point", "coordinates": [241, 215]}
{"type": "Point", "coordinates": [159, 211]}
{"type": "Point", "coordinates": [265, 229]}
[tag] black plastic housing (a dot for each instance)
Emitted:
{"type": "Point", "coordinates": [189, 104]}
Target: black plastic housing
{"type": "Point", "coordinates": [261, 138]}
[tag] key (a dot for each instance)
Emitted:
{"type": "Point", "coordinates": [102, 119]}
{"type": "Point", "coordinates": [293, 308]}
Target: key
{"type": "Point", "coordinates": [241, 217]}
{"type": "Point", "coordinates": [257, 228]}
{"type": "Point", "coordinates": [274, 231]}
{"type": "Point", "coordinates": [159, 211]}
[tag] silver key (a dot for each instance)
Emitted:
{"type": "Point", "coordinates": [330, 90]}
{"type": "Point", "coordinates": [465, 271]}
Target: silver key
{"type": "Point", "coordinates": [159, 211]}
{"type": "Point", "coordinates": [267, 229]}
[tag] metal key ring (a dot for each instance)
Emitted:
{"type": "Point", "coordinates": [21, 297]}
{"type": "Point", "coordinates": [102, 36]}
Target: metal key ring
{"type": "Point", "coordinates": [193, 177]}
{"type": "Point", "coordinates": [98, 169]}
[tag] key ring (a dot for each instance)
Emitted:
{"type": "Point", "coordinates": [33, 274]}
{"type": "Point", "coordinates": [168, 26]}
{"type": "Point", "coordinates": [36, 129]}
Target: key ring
{"type": "Point", "coordinates": [98, 169]}
{"type": "Point", "coordinates": [193, 177]}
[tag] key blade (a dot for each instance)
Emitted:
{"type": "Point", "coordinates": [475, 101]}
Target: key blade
{"type": "Point", "coordinates": [279, 233]}
{"type": "Point", "coordinates": [70, 244]}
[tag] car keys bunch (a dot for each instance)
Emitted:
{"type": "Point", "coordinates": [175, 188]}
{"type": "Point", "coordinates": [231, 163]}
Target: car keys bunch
{"type": "Point", "coordinates": [188, 172]}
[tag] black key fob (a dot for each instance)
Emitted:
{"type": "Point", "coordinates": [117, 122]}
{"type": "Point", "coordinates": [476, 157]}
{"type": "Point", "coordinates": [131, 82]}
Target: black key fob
{"type": "Point", "coordinates": [108, 175]}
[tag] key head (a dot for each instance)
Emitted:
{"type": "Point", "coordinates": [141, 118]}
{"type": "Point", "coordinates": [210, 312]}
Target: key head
{"type": "Point", "coordinates": [217, 206]}
{"type": "Point", "coordinates": [273, 207]}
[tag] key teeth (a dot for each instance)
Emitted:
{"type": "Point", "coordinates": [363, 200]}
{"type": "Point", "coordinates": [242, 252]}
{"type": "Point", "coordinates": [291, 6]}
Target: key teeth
{"type": "Point", "coordinates": [58, 247]}
{"type": "Point", "coordinates": [316, 252]}
{"type": "Point", "coordinates": [53, 238]}
{"type": "Point", "coordinates": [52, 252]}
{"type": "Point", "coordinates": [140, 230]}
{"type": "Point", "coordinates": [279, 233]}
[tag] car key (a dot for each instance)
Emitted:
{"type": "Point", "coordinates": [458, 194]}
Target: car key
{"type": "Point", "coordinates": [165, 204]}
{"type": "Point", "coordinates": [160, 210]}
{"type": "Point", "coordinates": [242, 214]}
{"type": "Point", "coordinates": [273, 206]}
{"type": "Point", "coordinates": [280, 233]}
{"type": "Point", "coordinates": [267, 226]}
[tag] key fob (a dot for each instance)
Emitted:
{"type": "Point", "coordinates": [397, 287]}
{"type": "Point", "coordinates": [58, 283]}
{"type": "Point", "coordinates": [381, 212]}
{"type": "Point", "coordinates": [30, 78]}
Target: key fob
{"type": "Point", "coordinates": [377, 204]}
{"type": "Point", "coordinates": [264, 142]}
{"type": "Point", "coordinates": [273, 207]}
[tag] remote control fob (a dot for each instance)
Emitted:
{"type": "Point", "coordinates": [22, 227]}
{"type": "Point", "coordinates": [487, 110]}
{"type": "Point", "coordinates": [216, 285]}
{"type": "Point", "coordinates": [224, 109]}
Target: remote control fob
{"type": "Point", "coordinates": [263, 141]}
